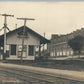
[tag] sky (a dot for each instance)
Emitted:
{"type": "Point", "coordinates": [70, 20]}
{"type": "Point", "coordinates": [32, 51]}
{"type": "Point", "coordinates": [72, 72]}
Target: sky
{"type": "Point", "coordinates": [54, 17]}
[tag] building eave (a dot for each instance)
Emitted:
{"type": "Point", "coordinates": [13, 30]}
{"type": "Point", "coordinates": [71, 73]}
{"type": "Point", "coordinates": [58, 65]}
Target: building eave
{"type": "Point", "coordinates": [42, 39]}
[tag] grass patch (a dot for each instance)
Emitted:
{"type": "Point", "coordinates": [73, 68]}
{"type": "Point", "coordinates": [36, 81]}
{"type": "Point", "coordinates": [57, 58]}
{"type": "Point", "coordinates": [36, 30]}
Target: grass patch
{"type": "Point", "coordinates": [76, 65]}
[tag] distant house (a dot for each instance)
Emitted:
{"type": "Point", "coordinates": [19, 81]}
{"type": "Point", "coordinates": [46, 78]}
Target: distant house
{"type": "Point", "coordinates": [59, 44]}
{"type": "Point", "coordinates": [32, 44]}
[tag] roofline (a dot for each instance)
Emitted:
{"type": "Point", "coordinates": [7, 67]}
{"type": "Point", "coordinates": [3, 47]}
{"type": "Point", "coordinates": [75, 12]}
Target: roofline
{"type": "Point", "coordinates": [28, 29]}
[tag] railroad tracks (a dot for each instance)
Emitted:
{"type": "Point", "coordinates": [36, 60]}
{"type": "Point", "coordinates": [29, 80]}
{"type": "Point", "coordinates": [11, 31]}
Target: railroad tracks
{"type": "Point", "coordinates": [33, 77]}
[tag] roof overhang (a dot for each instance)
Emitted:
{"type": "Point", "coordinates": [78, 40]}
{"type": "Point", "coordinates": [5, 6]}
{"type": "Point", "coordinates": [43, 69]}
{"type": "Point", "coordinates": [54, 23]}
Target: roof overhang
{"type": "Point", "coordinates": [42, 39]}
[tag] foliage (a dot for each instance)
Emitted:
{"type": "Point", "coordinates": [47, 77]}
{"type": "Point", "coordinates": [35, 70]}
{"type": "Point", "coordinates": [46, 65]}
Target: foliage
{"type": "Point", "coordinates": [76, 43]}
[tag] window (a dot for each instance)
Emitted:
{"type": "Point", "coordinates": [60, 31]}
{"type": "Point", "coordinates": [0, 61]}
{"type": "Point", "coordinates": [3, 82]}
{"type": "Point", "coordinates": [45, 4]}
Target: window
{"type": "Point", "coordinates": [31, 50]}
{"type": "Point", "coordinates": [13, 49]}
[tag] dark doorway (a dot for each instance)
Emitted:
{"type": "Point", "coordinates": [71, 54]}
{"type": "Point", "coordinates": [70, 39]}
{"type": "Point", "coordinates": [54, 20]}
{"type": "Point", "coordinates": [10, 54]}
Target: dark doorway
{"type": "Point", "coordinates": [13, 49]}
{"type": "Point", "coordinates": [31, 50]}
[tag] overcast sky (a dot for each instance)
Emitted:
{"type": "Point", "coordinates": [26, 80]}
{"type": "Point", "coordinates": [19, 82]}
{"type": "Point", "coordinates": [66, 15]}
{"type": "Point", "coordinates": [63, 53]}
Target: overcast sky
{"type": "Point", "coordinates": [51, 17]}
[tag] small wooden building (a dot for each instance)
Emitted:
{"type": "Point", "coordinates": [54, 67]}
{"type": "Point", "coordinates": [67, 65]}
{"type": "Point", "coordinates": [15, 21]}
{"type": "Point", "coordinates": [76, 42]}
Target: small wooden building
{"type": "Point", "coordinates": [32, 44]}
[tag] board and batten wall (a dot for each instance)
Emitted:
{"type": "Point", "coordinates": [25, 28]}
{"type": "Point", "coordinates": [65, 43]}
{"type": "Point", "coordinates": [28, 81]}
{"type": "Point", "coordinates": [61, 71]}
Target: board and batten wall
{"type": "Point", "coordinates": [13, 39]}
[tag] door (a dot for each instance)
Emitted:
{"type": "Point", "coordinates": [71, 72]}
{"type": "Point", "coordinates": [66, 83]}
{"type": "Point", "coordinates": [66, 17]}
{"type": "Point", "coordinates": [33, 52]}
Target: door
{"type": "Point", "coordinates": [13, 50]}
{"type": "Point", "coordinates": [31, 50]}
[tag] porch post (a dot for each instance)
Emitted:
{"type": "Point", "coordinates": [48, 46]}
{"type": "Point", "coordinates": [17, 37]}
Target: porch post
{"type": "Point", "coordinates": [39, 50]}
{"type": "Point", "coordinates": [55, 52]}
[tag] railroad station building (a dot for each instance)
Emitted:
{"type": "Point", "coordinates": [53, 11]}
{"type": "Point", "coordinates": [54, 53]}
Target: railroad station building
{"type": "Point", "coordinates": [59, 44]}
{"type": "Point", "coordinates": [32, 44]}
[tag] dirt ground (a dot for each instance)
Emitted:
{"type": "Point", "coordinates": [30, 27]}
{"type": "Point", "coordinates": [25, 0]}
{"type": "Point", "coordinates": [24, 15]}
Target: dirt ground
{"type": "Point", "coordinates": [4, 79]}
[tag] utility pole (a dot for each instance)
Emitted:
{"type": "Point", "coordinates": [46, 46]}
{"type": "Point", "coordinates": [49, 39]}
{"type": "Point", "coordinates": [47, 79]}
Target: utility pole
{"type": "Point", "coordinates": [25, 19]}
{"type": "Point", "coordinates": [43, 44]}
{"type": "Point", "coordinates": [5, 27]}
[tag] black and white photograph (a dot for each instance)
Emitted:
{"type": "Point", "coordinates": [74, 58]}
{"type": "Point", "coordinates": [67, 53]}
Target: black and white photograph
{"type": "Point", "coordinates": [41, 42]}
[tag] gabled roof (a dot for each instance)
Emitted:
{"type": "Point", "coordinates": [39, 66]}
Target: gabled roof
{"type": "Point", "coordinates": [42, 39]}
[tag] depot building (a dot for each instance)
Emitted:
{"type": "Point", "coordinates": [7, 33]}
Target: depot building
{"type": "Point", "coordinates": [32, 44]}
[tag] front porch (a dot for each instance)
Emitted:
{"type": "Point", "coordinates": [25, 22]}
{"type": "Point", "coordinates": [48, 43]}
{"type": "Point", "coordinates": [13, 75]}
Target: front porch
{"type": "Point", "coordinates": [13, 52]}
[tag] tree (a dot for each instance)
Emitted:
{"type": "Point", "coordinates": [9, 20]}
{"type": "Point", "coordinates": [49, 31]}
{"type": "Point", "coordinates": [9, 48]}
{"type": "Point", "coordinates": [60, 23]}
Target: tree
{"type": "Point", "coordinates": [76, 43]}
